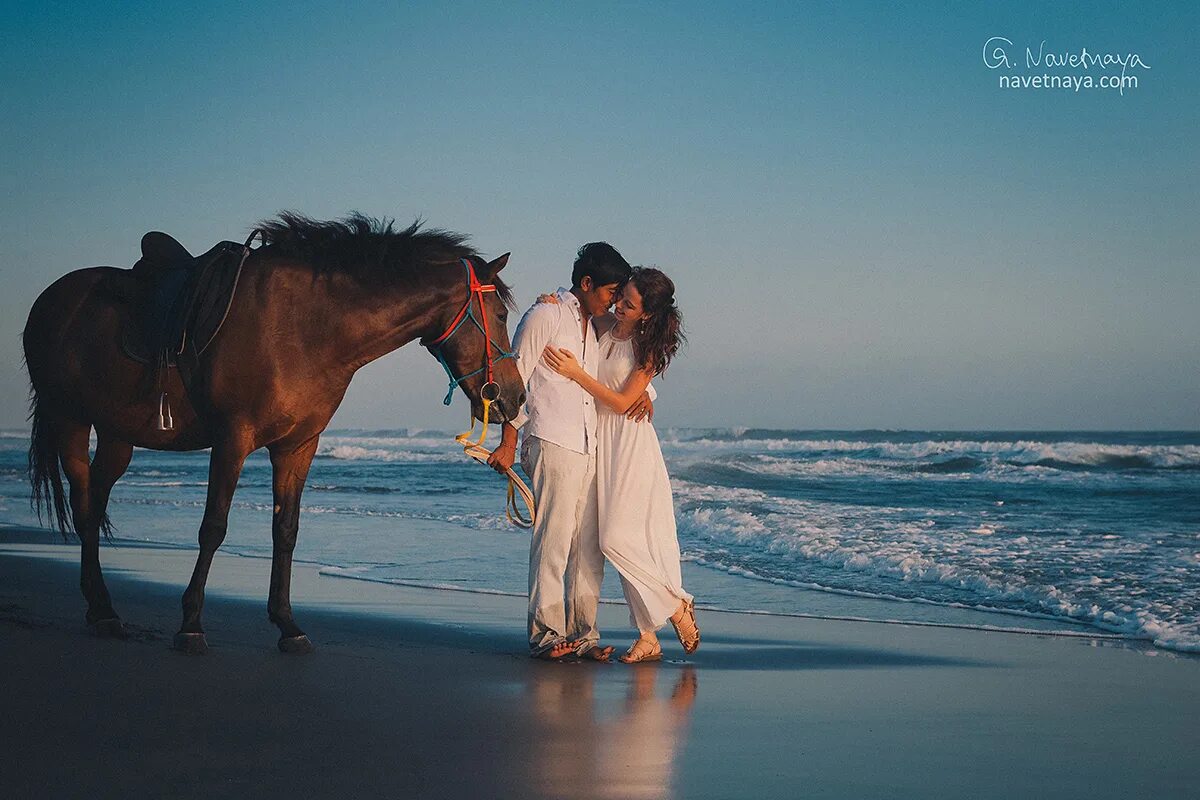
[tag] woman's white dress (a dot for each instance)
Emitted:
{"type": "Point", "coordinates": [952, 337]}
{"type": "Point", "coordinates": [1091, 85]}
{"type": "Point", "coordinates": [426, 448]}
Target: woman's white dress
{"type": "Point", "coordinates": [637, 516]}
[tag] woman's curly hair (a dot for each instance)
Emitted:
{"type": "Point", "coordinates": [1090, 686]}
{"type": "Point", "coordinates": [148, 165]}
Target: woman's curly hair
{"type": "Point", "coordinates": [660, 334]}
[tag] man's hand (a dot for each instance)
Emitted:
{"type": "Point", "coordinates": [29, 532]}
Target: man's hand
{"type": "Point", "coordinates": [502, 458]}
{"type": "Point", "coordinates": [505, 454]}
{"type": "Point", "coordinates": [641, 409]}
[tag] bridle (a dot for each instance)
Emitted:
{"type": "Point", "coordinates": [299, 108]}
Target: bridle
{"type": "Point", "coordinates": [490, 391]}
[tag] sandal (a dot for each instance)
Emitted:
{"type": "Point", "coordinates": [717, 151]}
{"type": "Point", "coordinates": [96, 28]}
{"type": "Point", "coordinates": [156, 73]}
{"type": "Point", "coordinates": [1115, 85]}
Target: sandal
{"type": "Point", "coordinates": [642, 650]}
{"type": "Point", "coordinates": [686, 628]}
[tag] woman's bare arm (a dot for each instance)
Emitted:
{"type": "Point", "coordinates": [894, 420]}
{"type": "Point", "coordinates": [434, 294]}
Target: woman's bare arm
{"type": "Point", "coordinates": [564, 363]}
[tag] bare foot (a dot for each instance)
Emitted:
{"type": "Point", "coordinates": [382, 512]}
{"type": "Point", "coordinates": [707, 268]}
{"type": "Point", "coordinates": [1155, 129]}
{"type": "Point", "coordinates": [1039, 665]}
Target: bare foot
{"type": "Point", "coordinates": [556, 653]}
{"type": "Point", "coordinates": [598, 653]}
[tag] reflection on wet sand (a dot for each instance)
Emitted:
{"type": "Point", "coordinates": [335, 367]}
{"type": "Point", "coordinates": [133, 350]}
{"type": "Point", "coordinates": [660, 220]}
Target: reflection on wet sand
{"type": "Point", "coordinates": [611, 749]}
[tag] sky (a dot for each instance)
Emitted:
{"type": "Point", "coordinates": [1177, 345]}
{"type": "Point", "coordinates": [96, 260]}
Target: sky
{"type": "Point", "coordinates": [865, 228]}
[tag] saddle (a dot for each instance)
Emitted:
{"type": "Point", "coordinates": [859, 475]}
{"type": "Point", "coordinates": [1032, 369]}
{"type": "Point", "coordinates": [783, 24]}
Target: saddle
{"type": "Point", "coordinates": [180, 298]}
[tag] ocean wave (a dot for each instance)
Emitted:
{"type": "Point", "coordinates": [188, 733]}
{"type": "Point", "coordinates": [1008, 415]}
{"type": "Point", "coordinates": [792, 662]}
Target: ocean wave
{"type": "Point", "coordinates": [154, 484]}
{"type": "Point", "coordinates": [479, 522]}
{"type": "Point", "coordinates": [955, 464]}
{"type": "Point", "coordinates": [427, 444]}
{"type": "Point", "coordinates": [774, 470]}
{"type": "Point", "coordinates": [904, 558]}
{"type": "Point", "coordinates": [348, 452]}
{"type": "Point", "coordinates": [1055, 455]}
{"type": "Point", "coordinates": [1112, 468]}
{"type": "Point", "coordinates": [364, 574]}
{"type": "Point", "coordinates": [475, 521]}
{"type": "Point", "coordinates": [407, 489]}
{"type": "Point", "coordinates": [388, 433]}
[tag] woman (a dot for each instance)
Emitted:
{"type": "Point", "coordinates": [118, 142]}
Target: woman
{"type": "Point", "coordinates": [637, 517]}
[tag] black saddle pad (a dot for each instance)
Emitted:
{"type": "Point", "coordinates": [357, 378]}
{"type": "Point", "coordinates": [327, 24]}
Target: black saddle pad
{"type": "Point", "coordinates": [183, 305]}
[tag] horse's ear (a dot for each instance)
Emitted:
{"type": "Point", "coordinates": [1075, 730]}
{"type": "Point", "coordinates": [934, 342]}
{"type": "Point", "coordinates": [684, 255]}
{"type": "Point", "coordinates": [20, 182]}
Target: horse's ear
{"type": "Point", "coordinates": [494, 267]}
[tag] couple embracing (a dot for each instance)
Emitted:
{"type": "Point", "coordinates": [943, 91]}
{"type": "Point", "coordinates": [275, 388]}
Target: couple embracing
{"type": "Point", "coordinates": [597, 470]}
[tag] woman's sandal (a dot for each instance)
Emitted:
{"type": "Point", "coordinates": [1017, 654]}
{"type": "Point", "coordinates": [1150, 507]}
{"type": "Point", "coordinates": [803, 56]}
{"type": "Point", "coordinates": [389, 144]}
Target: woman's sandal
{"type": "Point", "coordinates": [686, 628]}
{"type": "Point", "coordinates": [642, 650]}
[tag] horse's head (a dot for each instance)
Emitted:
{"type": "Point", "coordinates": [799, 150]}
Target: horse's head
{"type": "Point", "coordinates": [472, 341]}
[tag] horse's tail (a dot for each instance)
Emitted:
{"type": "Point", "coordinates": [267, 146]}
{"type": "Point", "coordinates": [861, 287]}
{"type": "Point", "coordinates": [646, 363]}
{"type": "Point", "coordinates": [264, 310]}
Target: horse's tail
{"type": "Point", "coordinates": [45, 474]}
{"type": "Point", "coordinates": [42, 346]}
{"type": "Point", "coordinates": [45, 470]}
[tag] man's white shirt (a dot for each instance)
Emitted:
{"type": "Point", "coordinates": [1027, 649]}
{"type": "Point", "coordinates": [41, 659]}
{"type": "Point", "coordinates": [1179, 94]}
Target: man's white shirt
{"type": "Point", "coordinates": [557, 409]}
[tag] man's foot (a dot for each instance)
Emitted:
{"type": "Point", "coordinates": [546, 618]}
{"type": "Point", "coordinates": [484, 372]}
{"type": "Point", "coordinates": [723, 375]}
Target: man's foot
{"type": "Point", "coordinates": [558, 652]}
{"type": "Point", "coordinates": [597, 653]}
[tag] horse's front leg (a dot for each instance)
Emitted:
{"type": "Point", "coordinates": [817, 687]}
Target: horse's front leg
{"type": "Point", "coordinates": [224, 468]}
{"type": "Point", "coordinates": [289, 472]}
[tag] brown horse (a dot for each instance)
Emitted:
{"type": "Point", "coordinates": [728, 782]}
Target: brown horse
{"type": "Point", "coordinates": [317, 301]}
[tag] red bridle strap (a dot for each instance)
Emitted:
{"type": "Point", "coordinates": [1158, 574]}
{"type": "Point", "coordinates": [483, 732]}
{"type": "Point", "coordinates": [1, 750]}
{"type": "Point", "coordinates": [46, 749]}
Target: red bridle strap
{"type": "Point", "coordinates": [474, 289]}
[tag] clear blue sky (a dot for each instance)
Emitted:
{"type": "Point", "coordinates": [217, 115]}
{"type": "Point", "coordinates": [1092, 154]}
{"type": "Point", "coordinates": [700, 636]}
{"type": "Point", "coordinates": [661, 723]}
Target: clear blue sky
{"type": "Point", "coordinates": [865, 229]}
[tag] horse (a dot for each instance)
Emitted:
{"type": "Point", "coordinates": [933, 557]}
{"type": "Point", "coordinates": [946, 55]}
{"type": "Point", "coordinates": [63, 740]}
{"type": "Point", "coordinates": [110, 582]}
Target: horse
{"type": "Point", "coordinates": [314, 302]}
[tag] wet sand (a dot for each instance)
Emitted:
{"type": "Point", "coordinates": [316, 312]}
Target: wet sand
{"type": "Point", "coordinates": [427, 693]}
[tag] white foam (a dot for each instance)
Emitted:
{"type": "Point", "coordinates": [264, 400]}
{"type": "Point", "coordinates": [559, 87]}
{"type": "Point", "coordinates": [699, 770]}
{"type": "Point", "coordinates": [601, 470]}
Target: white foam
{"type": "Point", "coordinates": [347, 452]}
{"type": "Point", "coordinates": [362, 574]}
{"type": "Point", "coordinates": [131, 482]}
{"type": "Point", "coordinates": [847, 540]}
{"type": "Point", "coordinates": [1023, 452]}
{"type": "Point", "coordinates": [359, 574]}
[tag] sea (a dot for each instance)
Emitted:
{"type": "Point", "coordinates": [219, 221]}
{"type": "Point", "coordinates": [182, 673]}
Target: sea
{"type": "Point", "coordinates": [1058, 533]}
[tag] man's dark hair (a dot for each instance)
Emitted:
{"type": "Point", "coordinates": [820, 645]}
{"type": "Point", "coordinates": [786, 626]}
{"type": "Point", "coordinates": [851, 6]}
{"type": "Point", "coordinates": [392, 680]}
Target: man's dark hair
{"type": "Point", "coordinates": [601, 262]}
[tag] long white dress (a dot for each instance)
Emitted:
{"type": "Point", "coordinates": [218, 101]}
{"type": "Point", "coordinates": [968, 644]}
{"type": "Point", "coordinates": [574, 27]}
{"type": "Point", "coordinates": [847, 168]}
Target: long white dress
{"type": "Point", "coordinates": [637, 516]}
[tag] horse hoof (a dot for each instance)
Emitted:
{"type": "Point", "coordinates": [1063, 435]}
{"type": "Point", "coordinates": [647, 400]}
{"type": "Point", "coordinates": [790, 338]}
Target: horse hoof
{"type": "Point", "coordinates": [194, 644]}
{"type": "Point", "coordinates": [111, 628]}
{"type": "Point", "coordinates": [295, 644]}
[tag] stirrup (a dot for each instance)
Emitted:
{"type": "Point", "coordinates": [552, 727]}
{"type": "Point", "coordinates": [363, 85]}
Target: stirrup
{"type": "Point", "coordinates": [165, 422]}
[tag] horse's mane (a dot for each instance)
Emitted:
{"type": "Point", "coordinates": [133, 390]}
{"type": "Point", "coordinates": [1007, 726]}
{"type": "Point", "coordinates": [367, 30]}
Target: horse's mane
{"type": "Point", "coordinates": [367, 247]}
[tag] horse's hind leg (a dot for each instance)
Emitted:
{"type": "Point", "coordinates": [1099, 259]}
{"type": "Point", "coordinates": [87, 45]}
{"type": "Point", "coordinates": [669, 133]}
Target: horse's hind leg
{"type": "Point", "coordinates": [73, 454]}
{"type": "Point", "coordinates": [289, 472]}
{"type": "Point", "coordinates": [108, 465]}
{"type": "Point", "coordinates": [224, 468]}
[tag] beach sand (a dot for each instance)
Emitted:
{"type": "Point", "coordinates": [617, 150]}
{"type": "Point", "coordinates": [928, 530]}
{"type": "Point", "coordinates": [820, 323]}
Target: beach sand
{"type": "Point", "coordinates": [427, 693]}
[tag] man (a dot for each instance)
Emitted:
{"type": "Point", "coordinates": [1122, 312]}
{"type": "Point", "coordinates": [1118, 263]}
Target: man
{"type": "Point", "coordinates": [558, 453]}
